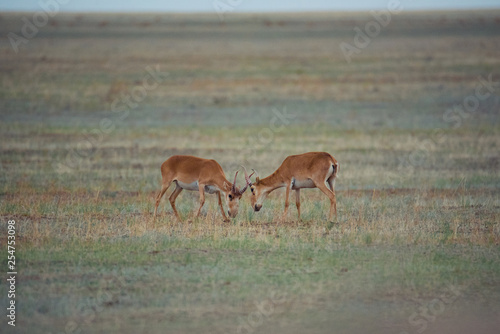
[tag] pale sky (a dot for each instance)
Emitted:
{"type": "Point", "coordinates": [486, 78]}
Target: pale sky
{"type": "Point", "coordinates": [241, 5]}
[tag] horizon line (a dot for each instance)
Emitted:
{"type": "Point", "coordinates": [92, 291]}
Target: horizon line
{"type": "Point", "coordinates": [238, 12]}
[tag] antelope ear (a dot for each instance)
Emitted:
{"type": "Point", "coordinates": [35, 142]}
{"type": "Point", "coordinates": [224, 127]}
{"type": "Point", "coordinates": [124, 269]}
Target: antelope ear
{"type": "Point", "coordinates": [257, 180]}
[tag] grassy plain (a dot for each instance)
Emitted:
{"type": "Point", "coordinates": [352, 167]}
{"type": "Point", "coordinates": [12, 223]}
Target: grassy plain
{"type": "Point", "coordinates": [416, 244]}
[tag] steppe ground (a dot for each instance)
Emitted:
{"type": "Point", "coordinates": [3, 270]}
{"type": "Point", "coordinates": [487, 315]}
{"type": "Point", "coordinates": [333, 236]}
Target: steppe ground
{"type": "Point", "coordinates": [85, 127]}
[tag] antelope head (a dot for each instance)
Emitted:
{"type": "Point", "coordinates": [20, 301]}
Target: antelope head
{"type": "Point", "coordinates": [234, 195]}
{"type": "Point", "coordinates": [258, 194]}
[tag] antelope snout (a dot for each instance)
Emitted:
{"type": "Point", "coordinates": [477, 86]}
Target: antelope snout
{"type": "Point", "coordinates": [258, 207]}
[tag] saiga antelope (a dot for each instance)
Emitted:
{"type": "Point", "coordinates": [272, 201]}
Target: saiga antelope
{"type": "Point", "coordinates": [202, 175]}
{"type": "Point", "coordinates": [308, 170]}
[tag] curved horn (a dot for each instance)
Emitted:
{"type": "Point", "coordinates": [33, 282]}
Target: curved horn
{"type": "Point", "coordinates": [255, 172]}
{"type": "Point", "coordinates": [247, 179]}
{"type": "Point", "coordinates": [233, 189]}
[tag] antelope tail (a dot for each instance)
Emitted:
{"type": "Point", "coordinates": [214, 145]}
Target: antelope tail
{"type": "Point", "coordinates": [336, 168]}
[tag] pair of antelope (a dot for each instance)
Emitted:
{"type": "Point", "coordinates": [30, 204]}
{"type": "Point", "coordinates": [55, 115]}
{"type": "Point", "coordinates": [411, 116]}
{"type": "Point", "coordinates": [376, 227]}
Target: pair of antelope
{"type": "Point", "coordinates": [308, 170]}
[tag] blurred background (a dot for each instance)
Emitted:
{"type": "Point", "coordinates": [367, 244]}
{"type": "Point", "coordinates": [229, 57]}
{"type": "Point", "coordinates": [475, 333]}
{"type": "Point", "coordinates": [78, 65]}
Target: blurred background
{"type": "Point", "coordinates": [95, 95]}
{"type": "Point", "coordinates": [246, 6]}
{"type": "Point", "coordinates": [75, 82]}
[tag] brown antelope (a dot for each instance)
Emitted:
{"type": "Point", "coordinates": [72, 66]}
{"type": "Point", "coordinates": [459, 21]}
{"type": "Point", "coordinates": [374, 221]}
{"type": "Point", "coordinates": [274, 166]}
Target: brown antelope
{"type": "Point", "coordinates": [203, 175]}
{"type": "Point", "coordinates": [308, 170]}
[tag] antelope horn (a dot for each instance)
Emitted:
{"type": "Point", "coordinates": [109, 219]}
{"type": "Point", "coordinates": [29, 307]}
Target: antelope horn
{"type": "Point", "coordinates": [247, 179]}
{"type": "Point", "coordinates": [255, 172]}
{"type": "Point", "coordinates": [233, 189]}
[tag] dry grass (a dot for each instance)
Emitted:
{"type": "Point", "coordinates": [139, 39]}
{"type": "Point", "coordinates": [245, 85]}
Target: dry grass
{"type": "Point", "coordinates": [371, 217]}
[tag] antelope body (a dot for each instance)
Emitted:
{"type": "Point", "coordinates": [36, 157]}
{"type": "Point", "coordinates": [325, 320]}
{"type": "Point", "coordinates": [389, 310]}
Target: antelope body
{"type": "Point", "coordinates": [308, 170]}
{"type": "Point", "coordinates": [202, 175]}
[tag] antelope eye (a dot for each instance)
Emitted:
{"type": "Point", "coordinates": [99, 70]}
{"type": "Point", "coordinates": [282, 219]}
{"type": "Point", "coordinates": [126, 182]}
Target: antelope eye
{"type": "Point", "coordinates": [230, 197]}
